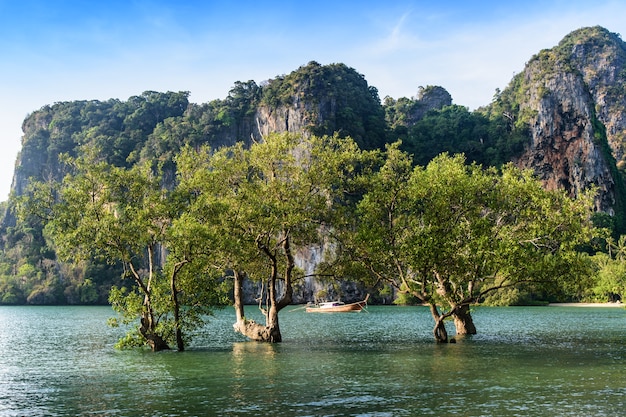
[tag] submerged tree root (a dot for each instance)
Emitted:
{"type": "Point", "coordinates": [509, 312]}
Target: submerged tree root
{"type": "Point", "coordinates": [257, 332]}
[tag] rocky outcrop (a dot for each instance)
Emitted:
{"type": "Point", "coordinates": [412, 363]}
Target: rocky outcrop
{"type": "Point", "coordinates": [600, 58]}
{"type": "Point", "coordinates": [294, 119]}
{"type": "Point", "coordinates": [564, 151]}
{"type": "Point", "coordinates": [322, 100]}
{"type": "Point", "coordinates": [563, 96]}
{"type": "Point", "coordinates": [430, 98]}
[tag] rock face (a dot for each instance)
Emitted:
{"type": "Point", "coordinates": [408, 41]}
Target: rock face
{"type": "Point", "coordinates": [563, 150]}
{"type": "Point", "coordinates": [567, 96]}
{"type": "Point", "coordinates": [600, 57]}
{"type": "Point", "coordinates": [430, 98]}
{"type": "Point", "coordinates": [322, 100]}
{"type": "Point", "coordinates": [285, 118]}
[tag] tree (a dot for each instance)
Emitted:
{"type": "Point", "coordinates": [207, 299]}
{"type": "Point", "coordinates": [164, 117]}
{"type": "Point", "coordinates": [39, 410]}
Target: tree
{"type": "Point", "coordinates": [610, 279]}
{"type": "Point", "coordinates": [500, 230]}
{"type": "Point", "coordinates": [451, 233]}
{"type": "Point", "coordinates": [377, 236]}
{"type": "Point", "coordinates": [275, 197]}
{"type": "Point", "coordinates": [125, 216]}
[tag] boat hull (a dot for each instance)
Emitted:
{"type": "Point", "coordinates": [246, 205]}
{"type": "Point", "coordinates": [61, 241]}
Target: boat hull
{"type": "Point", "coordinates": [344, 308]}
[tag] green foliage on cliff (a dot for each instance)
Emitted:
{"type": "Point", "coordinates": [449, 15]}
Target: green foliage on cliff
{"type": "Point", "coordinates": [489, 141]}
{"type": "Point", "coordinates": [594, 38]}
{"type": "Point", "coordinates": [336, 98]}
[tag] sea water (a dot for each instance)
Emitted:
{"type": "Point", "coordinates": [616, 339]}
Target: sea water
{"type": "Point", "coordinates": [525, 361]}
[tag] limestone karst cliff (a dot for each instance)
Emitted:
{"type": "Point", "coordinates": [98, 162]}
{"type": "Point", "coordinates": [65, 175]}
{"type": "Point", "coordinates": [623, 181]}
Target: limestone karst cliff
{"type": "Point", "coordinates": [321, 100]}
{"type": "Point", "coordinates": [314, 99]}
{"type": "Point", "coordinates": [571, 101]}
{"type": "Point", "coordinates": [565, 113]}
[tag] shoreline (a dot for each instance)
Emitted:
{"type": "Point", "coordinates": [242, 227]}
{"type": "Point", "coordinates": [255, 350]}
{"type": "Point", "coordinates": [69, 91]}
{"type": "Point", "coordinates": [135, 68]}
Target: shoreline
{"type": "Point", "coordinates": [621, 305]}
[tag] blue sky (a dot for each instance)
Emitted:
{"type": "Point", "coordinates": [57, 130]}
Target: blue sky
{"type": "Point", "coordinates": [56, 50]}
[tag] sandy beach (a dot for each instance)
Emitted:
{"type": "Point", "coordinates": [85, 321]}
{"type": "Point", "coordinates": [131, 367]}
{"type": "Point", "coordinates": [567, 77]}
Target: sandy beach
{"type": "Point", "coordinates": [621, 305]}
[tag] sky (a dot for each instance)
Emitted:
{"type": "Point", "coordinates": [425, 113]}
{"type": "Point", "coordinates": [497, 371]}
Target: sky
{"type": "Point", "coordinates": [62, 50]}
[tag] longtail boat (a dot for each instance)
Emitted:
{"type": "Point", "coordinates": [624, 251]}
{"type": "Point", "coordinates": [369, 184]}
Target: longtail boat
{"type": "Point", "coordinates": [338, 307]}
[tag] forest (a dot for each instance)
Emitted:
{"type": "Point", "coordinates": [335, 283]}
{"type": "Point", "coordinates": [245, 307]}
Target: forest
{"type": "Point", "coordinates": [163, 208]}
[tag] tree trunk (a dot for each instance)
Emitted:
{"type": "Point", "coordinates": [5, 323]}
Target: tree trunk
{"type": "Point", "coordinates": [180, 344]}
{"type": "Point", "coordinates": [147, 327]}
{"type": "Point", "coordinates": [147, 330]}
{"type": "Point", "coordinates": [463, 321]}
{"type": "Point", "coordinates": [250, 328]}
{"type": "Point", "coordinates": [439, 331]}
{"type": "Point", "coordinates": [271, 331]}
{"type": "Point", "coordinates": [238, 296]}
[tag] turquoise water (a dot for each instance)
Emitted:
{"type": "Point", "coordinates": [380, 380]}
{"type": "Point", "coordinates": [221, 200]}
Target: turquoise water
{"type": "Point", "coordinates": [539, 361]}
